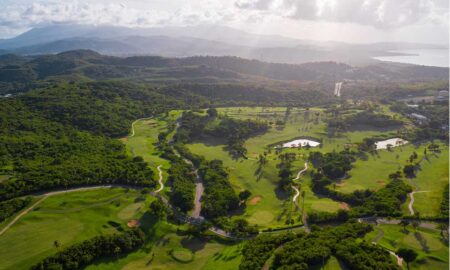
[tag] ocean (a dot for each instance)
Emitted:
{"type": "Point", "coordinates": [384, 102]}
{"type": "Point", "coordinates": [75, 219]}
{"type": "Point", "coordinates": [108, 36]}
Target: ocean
{"type": "Point", "coordinates": [425, 57]}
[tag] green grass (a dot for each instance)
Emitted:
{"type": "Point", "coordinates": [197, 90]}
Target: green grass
{"type": "Point", "coordinates": [68, 218]}
{"type": "Point", "coordinates": [157, 253]}
{"type": "Point", "coordinates": [431, 249]}
{"type": "Point", "coordinates": [331, 264]}
{"type": "Point", "coordinates": [182, 255]}
{"type": "Point", "coordinates": [143, 143]}
{"type": "Point", "coordinates": [432, 177]}
{"type": "Point", "coordinates": [273, 208]}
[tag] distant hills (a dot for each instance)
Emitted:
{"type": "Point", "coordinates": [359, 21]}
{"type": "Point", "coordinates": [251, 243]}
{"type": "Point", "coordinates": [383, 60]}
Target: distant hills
{"type": "Point", "coordinates": [193, 41]}
{"type": "Point", "coordinates": [90, 65]}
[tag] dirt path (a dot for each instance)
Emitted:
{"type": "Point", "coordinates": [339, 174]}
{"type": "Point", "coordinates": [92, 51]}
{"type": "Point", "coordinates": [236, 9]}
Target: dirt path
{"type": "Point", "coordinates": [411, 201]}
{"type": "Point", "coordinates": [160, 180]}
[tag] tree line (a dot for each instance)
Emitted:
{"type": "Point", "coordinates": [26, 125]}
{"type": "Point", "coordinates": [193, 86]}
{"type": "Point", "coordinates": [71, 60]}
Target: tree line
{"type": "Point", "coordinates": [303, 251]}
{"type": "Point", "coordinates": [85, 253]}
{"type": "Point", "coordinates": [10, 207]}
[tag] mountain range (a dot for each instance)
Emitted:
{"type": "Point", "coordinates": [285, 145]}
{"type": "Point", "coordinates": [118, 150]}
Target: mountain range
{"type": "Point", "coordinates": [188, 41]}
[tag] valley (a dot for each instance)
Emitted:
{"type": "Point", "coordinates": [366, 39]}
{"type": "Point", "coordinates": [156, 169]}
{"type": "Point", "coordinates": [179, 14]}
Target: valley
{"type": "Point", "coordinates": [202, 173]}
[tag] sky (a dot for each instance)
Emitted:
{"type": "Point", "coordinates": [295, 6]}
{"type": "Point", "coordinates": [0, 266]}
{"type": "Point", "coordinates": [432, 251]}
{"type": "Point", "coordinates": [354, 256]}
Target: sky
{"type": "Point", "coordinates": [360, 21]}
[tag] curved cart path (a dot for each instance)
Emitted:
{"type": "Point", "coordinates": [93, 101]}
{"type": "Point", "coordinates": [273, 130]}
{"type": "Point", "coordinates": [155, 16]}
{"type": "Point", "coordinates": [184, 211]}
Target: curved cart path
{"type": "Point", "coordinates": [301, 172]}
{"type": "Point", "coordinates": [160, 180]}
{"type": "Point", "coordinates": [375, 242]}
{"type": "Point", "coordinates": [45, 196]}
{"type": "Point", "coordinates": [134, 122]}
{"type": "Point", "coordinates": [297, 192]}
{"type": "Point", "coordinates": [411, 201]}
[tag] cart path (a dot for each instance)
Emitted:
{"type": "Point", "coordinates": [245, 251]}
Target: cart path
{"type": "Point", "coordinates": [297, 192]}
{"type": "Point", "coordinates": [134, 122]}
{"type": "Point", "coordinates": [45, 196]}
{"type": "Point", "coordinates": [160, 180]}
{"type": "Point", "coordinates": [375, 242]}
{"type": "Point", "coordinates": [301, 172]}
{"type": "Point", "coordinates": [411, 201]}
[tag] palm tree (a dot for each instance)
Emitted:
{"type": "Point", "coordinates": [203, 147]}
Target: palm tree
{"type": "Point", "coordinates": [404, 223]}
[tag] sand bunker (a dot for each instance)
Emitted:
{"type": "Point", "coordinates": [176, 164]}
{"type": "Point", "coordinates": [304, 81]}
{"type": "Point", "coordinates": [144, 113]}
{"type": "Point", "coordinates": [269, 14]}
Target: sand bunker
{"type": "Point", "coordinates": [255, 200]}
{"type": "Point", "coordinates": [392, 142]}
{"type": "Point", "coordinates": [300, 142]}
{"type": "Point", "coordinates": [133, 223]}
{"type": "Point", "coordinates": [344, 206]}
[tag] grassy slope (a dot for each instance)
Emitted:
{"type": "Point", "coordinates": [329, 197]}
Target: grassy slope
{"type": "Point", "coordinates": [208, 255]}
{"type": "Point", "coordinates": [432, 177]}
{"type": "Point", "coordinates": [394, 237]}
{"type": "Point", "coordinates": [146, 136]}
{"type": "Point", "coordinates": [67, 218]}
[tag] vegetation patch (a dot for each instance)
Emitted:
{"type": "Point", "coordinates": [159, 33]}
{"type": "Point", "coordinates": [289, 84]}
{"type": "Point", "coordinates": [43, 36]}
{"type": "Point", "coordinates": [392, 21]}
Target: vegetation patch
{"type": "Point", "coordinates": [182, 255]}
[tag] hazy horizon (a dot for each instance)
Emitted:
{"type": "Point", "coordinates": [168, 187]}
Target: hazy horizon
{"type": "Point", "coordinates": [424, 21]}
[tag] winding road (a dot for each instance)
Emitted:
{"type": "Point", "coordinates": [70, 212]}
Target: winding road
{"type": "Point", "coordinates": [411, 201]}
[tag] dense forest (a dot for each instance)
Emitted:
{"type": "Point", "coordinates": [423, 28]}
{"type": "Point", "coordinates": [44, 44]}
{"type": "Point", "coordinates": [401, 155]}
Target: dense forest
{"type": "Point", "coordinates": [303, 251]}
{"type": "Point", "coordinates": [46, 152]}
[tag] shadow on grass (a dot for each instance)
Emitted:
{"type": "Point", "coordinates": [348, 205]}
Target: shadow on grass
{"type": "Point", "coordinates": [281, 194]}
{"type": "Point", "coordinates": [194, 244]}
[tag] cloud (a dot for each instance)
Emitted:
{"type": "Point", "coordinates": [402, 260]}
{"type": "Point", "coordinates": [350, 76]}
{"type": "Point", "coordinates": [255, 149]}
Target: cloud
{"type": "Point", "coordinates": [383, 14]}
{"type": "Point", "coordinates": [17, 16]}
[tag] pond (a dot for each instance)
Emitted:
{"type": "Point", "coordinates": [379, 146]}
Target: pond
{"type": "Point", "coordinates": [300, 142]}
{"type": "Point", "coordinates": [393, 142]}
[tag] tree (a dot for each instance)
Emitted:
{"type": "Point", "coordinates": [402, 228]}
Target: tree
{"type": "Point", "coordinates": [56, 244]}
{"type": "Point", "coordinates": [407, 254]}
{"type": "Point", "coordinates": [244, 195]}
{"type": "Point", "coordinates": [404, 223]}
{"type": "Point", "coordinates": [395, 176]}
{"type": "Point", "coordinates": [444, 230]}
{"type": "Point", "coordinates": [212, 112]}
{"type": "Point", "coordinates": [158, 208]}
{"type": "Point", "coordinates": [409, 170]}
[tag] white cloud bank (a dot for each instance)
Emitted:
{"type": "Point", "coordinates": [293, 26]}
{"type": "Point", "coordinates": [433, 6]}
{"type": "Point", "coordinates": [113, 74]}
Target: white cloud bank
{"type": "Point", "coordinates": [383, 14]}
{"type": "Point", "coordinates": [297, 18]}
